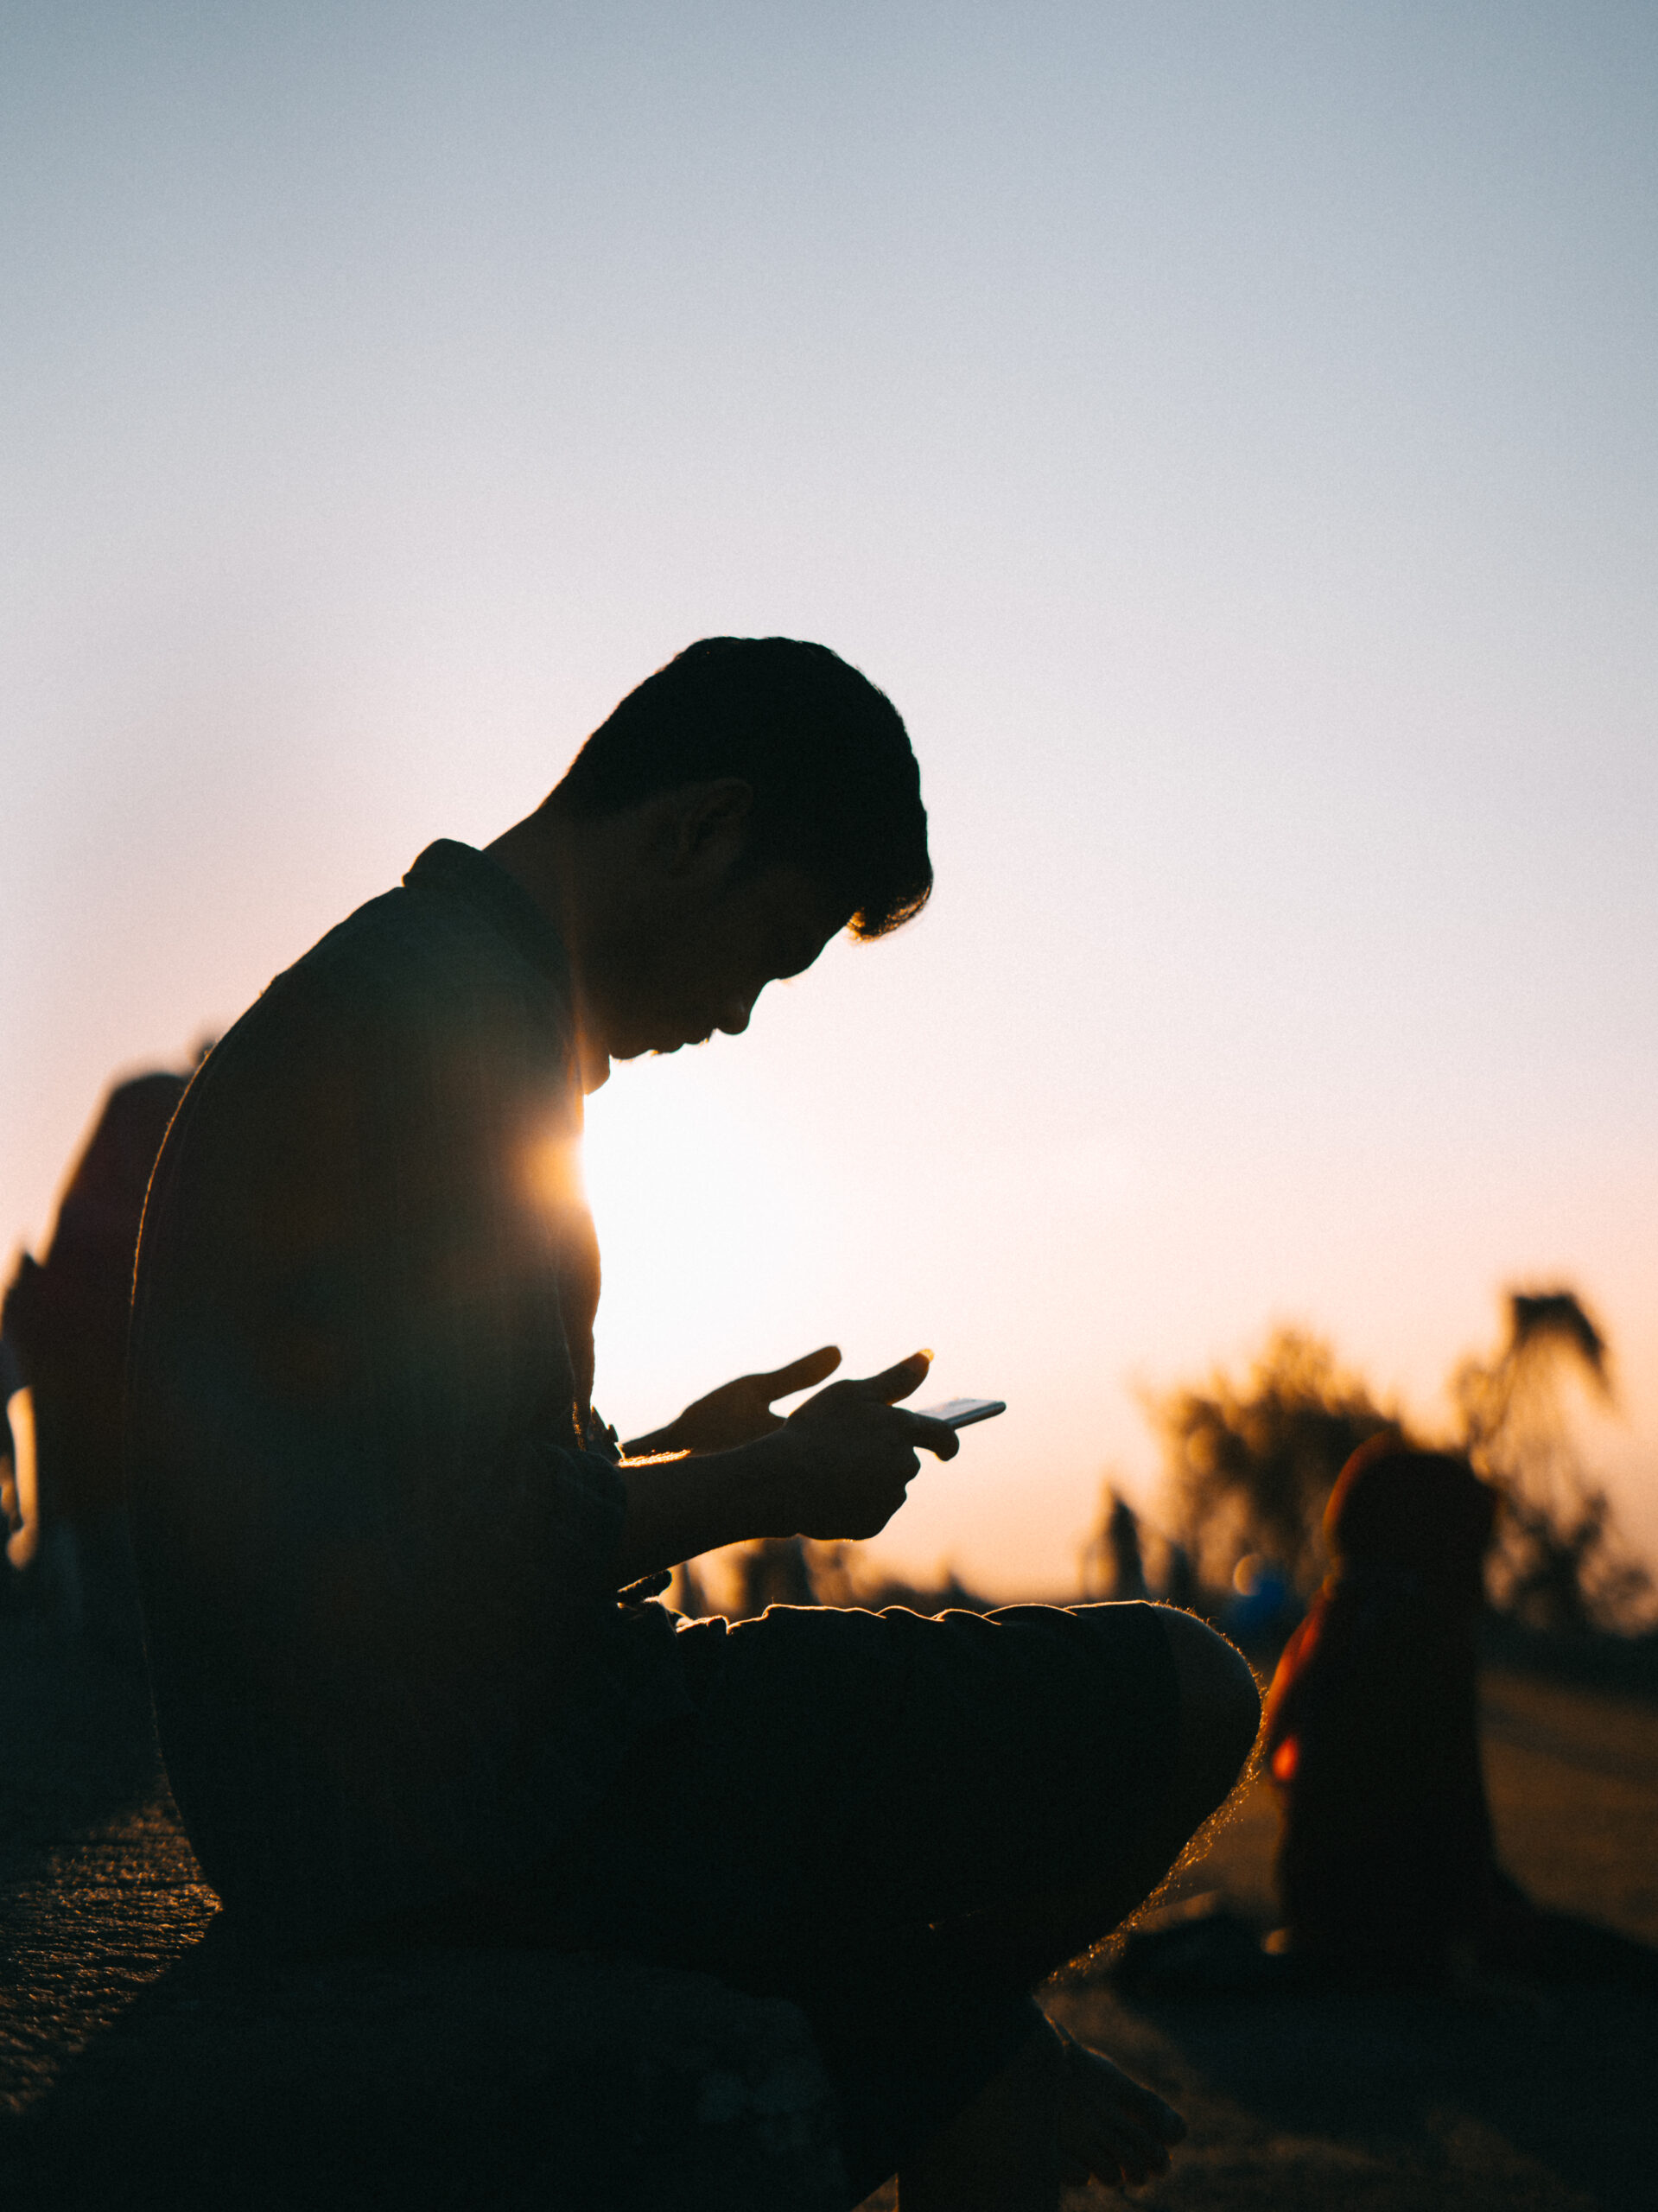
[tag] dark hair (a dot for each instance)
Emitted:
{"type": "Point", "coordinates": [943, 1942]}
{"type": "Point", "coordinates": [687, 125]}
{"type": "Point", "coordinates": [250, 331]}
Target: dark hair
{"type": "Point", "coordinates": [836, 789]}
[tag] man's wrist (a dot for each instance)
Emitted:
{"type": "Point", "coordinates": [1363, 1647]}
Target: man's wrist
{"type": "Point", "coordinates": [716, 1497]}
{"type": "Point", "coordinates": [761, 1487]}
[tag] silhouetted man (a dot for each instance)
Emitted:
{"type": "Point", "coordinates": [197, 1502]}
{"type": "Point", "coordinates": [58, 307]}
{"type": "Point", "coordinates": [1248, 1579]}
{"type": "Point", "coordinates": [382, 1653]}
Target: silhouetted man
{"type": "Point", "coordinates": [381, 1532]}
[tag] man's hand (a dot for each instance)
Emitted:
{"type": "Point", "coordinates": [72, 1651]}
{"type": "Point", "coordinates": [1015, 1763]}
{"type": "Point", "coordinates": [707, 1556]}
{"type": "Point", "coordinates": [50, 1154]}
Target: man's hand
{"type": "Point", "coordinates": [841, 1462]}
{"type": "Point", "coordinates": [737, 1412]}
{"type": "Point", "coordinates": [836, 1467]}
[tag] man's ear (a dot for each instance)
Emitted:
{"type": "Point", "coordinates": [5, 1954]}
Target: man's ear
{"type": "Point", "coordinates": [706, 827]}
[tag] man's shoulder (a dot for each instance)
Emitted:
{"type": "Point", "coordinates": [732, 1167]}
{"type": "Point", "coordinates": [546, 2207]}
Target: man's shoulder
{"type": "Point", "coordinates": [416, 990]}
{"type": "Point", "coordinates": [378, 970]}
{"type": "Point", "coordinates": [402, 934]}
{"type": "Point", "coordinates": [451, 941]}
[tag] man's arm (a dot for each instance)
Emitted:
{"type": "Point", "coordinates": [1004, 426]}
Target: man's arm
{"type": "Point", "coordinates": [837, 1467]}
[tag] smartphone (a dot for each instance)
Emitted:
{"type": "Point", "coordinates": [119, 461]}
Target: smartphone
{"type": "Point", "coordinates": [962, 1412]}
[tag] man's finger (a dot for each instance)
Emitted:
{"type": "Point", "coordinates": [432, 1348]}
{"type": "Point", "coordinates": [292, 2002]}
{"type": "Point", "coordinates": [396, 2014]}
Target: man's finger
{"type": "Point", "coordinates": [800, 1374]}
{"type": "Point", "coordinates": [928, 1435]}
{"type": "Point", "coordinates": [896, 1383]}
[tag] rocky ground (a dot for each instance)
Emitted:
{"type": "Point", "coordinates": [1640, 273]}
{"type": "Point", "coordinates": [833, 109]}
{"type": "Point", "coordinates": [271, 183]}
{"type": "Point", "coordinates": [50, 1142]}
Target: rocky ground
{"type": "Point", "coordinates": [1520, 2100]}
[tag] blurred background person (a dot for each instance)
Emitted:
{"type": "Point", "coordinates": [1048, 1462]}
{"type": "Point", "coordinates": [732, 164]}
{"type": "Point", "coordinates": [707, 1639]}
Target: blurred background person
{"type": "Point", "coordinates": [1386, 1862]}
{"type": "Point", "coordinates": [1263, 1607]}
{"type": "Point", "coordinates": [1122, 1543]}
{"type": "Point", "coordinates": [66, 1329]}
{"type": "Point", "coordinates": [1388, 1868]}
{"type": "Point", "coordinates": [1114, 1565]}
{"type": "Point", "coordinates": [11, 1496]}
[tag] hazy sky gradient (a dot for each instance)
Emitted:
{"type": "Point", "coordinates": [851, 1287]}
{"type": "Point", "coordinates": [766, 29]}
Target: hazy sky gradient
{"type": "Point", "coordinates": [1228, 432]}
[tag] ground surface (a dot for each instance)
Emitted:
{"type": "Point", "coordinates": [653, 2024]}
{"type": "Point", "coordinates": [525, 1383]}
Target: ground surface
{"type": "Point", "coordinates": [1382, 2104]}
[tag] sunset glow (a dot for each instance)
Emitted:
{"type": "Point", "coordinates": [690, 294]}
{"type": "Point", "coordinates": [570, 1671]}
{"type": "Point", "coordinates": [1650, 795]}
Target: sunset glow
{"type": "Point", "coordinates": [1227, 435]}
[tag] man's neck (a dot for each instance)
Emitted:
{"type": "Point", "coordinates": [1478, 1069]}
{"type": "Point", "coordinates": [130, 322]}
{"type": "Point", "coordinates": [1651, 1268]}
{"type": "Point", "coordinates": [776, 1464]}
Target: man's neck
{"type": "Point", "coordinates": [539, 855]}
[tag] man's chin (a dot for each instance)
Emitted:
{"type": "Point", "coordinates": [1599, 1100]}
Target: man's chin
{"type": "Point", "coordinates": [595, 1071]}
{"type": "Point", "coordinates": [679, 1044]}
{"type": "Point", "coordinates": [655, 1048]}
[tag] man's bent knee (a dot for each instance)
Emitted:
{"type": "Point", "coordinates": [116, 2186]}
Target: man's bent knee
{"type": "Point", "coordinates": [1220, 1712]}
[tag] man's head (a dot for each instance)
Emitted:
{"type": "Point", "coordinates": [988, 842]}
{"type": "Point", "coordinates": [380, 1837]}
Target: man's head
{"type": "Point", "coordinates": [835, 788]}
{"type": "Point", "coordinates": [743, 803]}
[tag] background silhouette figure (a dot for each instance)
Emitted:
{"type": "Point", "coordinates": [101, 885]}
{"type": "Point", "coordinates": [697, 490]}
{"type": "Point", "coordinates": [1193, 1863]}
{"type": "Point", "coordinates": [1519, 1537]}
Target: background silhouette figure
{"type": "Point", "coordinates": [65, 1317]}
{"type": "Point", "coordinates": [1122, 1540]}
{"type": "Point", "coordinates": [1386, 1863]}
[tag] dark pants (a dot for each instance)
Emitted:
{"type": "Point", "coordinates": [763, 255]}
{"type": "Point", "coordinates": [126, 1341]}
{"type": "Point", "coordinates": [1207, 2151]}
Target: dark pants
{"type": "Point", "coordinates": [855, 1800]}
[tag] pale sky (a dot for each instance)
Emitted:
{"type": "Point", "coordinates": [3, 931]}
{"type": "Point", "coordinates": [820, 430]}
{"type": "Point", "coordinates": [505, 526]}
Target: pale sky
{"type": "Point", "coordinates": [1228, 432]}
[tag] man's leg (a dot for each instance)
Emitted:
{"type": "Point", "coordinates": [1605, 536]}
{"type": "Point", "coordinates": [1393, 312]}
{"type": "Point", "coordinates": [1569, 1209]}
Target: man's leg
{"type": "Point", "coordinates": [1058, 2110]}
{"type": "Point", "coordinates": [1220, 1713]}
{"type": "Point", "coordinates": [863, 1810]}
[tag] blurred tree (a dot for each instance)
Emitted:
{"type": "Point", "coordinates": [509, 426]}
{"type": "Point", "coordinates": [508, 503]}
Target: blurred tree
{"type": "Point", "coordinates": [1559, 1564]}
{"type": "Point", "coordinates": [1250, 1467]}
